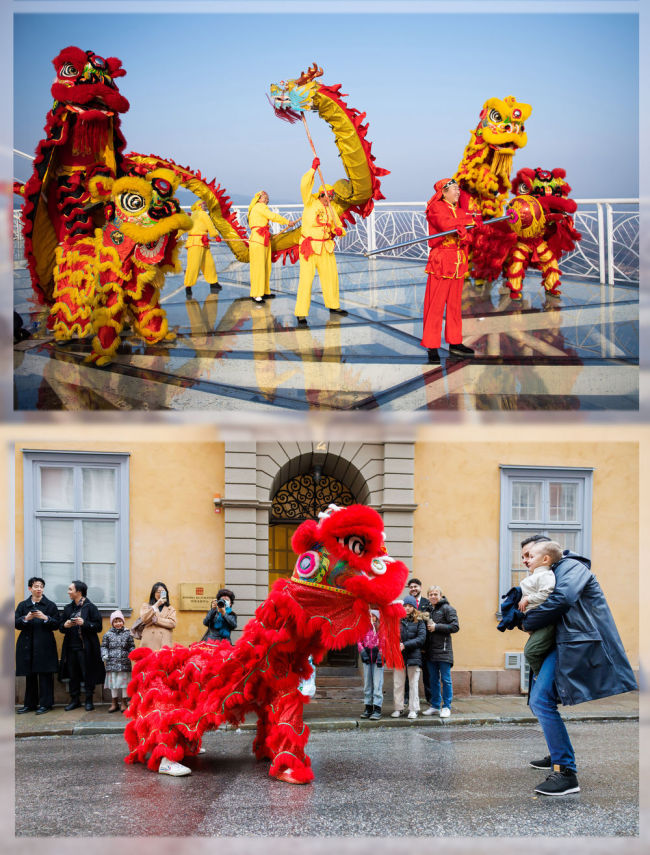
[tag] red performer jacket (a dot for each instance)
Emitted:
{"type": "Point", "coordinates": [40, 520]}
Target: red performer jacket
{"type": "Point", "coordinates": [448, 255]}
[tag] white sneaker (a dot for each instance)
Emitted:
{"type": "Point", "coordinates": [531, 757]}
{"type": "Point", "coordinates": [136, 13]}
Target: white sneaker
{"type": "Point", "coordinates": [412, 715]}
{"type": "Point", "coordinates": [396, 714]}
{"type": "Point", "coordinates": [201, 751]}
{"type": "Point", "coordinates": [445, 712]}
{"type": "Point", "coordinates": [431, 711]}
{"type": "Point", "coordinates": [168, 767]}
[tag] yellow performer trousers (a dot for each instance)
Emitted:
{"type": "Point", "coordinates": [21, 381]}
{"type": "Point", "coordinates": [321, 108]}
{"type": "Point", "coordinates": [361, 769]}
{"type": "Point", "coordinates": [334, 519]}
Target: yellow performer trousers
{"type": "Point", "coordinates": [199, 258]}
{"type": "Point", "coordinates": [325, 264]}
{"type": "Point", "coordinates": [260, 261]}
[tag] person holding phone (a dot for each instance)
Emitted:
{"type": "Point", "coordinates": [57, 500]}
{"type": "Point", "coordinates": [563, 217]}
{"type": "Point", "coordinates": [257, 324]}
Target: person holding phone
{"type": "Point", "coordinates": [221, 619]}
{"type": "Point", "coordinates": [81, 660]}
{"type": "Point", "coordinates": [159, 618]}
{"type": "Point", "coordinates": [37, 660]}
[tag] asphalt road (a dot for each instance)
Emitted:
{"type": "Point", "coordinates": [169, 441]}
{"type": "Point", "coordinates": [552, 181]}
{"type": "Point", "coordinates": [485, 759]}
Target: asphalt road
{"type": "Point", "coordinates": [423, 782]}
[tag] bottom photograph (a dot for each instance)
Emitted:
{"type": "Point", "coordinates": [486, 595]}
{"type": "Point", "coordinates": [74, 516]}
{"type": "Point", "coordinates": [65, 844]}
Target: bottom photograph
{"type": "Point", "coordinates": [286, 638]}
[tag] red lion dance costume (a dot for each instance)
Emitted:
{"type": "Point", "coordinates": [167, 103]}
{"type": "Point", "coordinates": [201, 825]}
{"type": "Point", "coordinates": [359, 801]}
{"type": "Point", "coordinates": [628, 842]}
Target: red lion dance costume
{"type": "Point", "coordinates": [180, 692]}
{"type": "Point", "coordinates": [559, 236]}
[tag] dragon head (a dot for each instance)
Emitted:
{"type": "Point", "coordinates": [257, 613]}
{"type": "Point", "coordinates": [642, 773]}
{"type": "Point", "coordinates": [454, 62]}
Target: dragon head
{"type": "Point", "coordinates": [85, 83]}
{"type": "Point", "coordinates": [345, 551]}
{"type": "Point", "coordinates": [548, 186]}
{"type": "Point", "coordinates": [142, 213]}
{"type": "Point", "coordinates": [291, 98]}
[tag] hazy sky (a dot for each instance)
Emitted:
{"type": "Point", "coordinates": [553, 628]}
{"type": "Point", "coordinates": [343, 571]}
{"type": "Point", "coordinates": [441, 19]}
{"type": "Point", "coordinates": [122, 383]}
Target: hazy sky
{"type": "Point", "coordinates": [197, 85]}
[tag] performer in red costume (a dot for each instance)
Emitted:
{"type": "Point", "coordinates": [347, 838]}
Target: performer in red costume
{"type": "Point", "coordinates": [447, 266]}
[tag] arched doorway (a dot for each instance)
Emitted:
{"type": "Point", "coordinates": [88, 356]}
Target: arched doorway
{"type": "Point", "coordinates": [301, 498]}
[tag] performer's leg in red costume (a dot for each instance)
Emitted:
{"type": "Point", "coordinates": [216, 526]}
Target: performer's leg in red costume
{"type": "Point", "coordinates": [516, 269]}
{"type": "Point", "coordinates": [108, 322]}
{"type": "Point", "coordinates": [453, 315]}
{"type": "Point", "coordinates": [150, 321]}
{"type": "Point", "coordinates": [550, 269]}
{"type": "Point", "coordinates": [287, 738]}
{"type": "Point", "coordinates": [435, 298]}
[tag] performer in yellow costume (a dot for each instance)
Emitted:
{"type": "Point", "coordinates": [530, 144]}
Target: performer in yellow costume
{"type": "Point", "coordinates": [259, 244]}
{"type": "Point", "coordinates": [199, 257]}
{"type": "Point", "coordinates": [320, 225]}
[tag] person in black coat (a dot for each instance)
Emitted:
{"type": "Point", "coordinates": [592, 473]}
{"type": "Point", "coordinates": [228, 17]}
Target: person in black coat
{"type": "Point", "coordinates": [37, 618]}
{"type": "Point", "coordinates": [81, 658]}
{"type": "Point", "coordinates": [412, 638]}
{"type": "Point", "coordinates": [438, 651]}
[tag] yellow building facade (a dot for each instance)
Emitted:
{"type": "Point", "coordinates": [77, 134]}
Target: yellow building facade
{"type": "Point", "coordinates": [198, 509]}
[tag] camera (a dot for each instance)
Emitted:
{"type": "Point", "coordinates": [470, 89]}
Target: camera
{"type": "Point", "coordinates": [221, 604]}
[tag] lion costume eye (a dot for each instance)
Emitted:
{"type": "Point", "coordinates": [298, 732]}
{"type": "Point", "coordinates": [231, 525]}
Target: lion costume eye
{"type": "Point", "coordinates": [69, 70]}
{"type": "Point", "coordinates": [494, 116]}
{"type": "Point", "coordinates": [307, 564]}
{"type": "Point", "coordinates": [523, 188]}
{"type": "Point", "coordinates": [355, 543]}
{"type": "Point", "coordinates": [132, 203]}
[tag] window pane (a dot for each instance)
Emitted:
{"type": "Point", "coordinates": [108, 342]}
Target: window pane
{"type": "Point", "coordinates": [99, 490]}
{"type": "Point", "coordinates": [57, 488]}
{"type": "Point", "coordinates": [100, 579]}
{"type": "Point", "coordinates": [526, 501]}
{"type": "Point", "coordinates": [563, 501]}
{"type": "Point", "coordinates": [57, 540]}
{"type": "Point", "coordinates": [98, 542]}
{"type": "Point", "coordinates": [566, 539]}
{"type": "Point", "coordinates": [58, 576]}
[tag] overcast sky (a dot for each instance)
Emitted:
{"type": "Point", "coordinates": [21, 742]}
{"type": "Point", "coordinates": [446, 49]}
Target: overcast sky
{"type": "Point", "coordinates": [197, 86]}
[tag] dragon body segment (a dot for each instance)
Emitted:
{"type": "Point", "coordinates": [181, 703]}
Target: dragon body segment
{"type": "Point", "coordinates": [179, 693]}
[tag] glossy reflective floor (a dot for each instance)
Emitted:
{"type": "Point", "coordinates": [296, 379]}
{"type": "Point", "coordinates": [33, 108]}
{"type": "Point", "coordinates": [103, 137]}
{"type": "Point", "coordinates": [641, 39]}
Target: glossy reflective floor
{"type": "Point", "coordinates": [577, 351]}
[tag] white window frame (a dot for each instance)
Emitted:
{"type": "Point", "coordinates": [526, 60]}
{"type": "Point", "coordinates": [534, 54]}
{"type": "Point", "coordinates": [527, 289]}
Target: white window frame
{"type": "Point", "coordinates": [583, 476]}
{"type": "Point", "coordinates": [33, 462]}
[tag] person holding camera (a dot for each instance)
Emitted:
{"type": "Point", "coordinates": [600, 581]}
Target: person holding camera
{"type": "Point", "coordinates": [81, 659]}
{"type": "Point", "coordinates": [37, 660]}
{"type": "Point", "coordinates": [158, 617]}
{"type": "Point", "coordinates": [221, 619]}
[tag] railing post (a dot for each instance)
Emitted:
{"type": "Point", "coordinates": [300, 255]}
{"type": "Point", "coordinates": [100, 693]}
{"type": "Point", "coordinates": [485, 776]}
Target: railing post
{"type": "Point", "coordinates": [610, 243]}
{"type": "Point", "coordinates": [601, 243]}
{"type": "Point", "coordinates": [371, 236]}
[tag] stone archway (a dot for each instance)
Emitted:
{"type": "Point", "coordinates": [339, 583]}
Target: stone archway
{"type": "Point", "coordinates": [379, 474]}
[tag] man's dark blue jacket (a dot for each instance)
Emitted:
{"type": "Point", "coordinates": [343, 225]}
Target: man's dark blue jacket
{"type": "Point", "coordinates": [591, 661]}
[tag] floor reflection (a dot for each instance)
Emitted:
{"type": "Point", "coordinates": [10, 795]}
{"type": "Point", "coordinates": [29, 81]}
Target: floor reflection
{"type": "Point", "coordinates": [578, 351]}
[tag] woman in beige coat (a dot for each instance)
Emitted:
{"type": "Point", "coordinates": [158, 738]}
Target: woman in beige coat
{"type": "Point", "coordinates": [159, 619]}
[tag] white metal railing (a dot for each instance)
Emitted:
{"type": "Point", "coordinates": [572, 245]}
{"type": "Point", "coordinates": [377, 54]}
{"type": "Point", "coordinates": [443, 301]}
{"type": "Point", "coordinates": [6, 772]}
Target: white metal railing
{"type": "Point", "coordinates": [608, 251]}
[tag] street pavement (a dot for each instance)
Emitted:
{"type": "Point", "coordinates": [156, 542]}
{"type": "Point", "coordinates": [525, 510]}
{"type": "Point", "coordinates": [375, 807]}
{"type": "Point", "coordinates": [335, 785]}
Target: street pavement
{"type": "Point", "coordinates": [414, 781]}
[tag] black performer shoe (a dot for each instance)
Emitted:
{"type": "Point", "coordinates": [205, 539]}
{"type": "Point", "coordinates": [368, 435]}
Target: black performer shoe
{"type": "Point", "coordinates": [302, 322]}
{"type": "Point", "coordinates": [461, 350]}
{"type": "Point", "coordinates": [188, 293]}
{"type": "Point", "coordinates": [258, 300]}
{"type": "Point", "coordinates": [270, 296]}
{"type": "Point", "coordinates": [214, 287]}
{"type": "Point", "coordinates": [433, 357]}
{"type": "Point", "coordinates": [341, 312]}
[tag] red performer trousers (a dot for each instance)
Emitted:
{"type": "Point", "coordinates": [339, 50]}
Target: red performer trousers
{"type": "Point", "coordinates": [442, 292]}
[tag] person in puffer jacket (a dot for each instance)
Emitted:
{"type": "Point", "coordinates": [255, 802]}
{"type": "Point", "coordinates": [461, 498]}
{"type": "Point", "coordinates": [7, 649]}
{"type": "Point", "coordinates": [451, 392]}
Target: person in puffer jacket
{"type": "Point", "coordinates": [117, 643]}
{"type": "Point", "coordinates": [373, 670]}
{"type": "Point", "coordinates": [438, 652]}
{"type": "Point", "coordinates": [412, 636]}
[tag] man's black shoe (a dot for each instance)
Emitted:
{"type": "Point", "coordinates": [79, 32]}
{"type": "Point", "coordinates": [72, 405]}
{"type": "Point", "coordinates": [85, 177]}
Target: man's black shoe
{"type": "Point", "coordinates": [24, 709]}
{"type": "Point", "coordinates": [434, 357]}
{"type": "Point", "coordinates": [367, 712]}
{"type": "Point", "coordinates": [73, 705]}
{"type": "Point", "coordinates": [341, 312]}
{"type": "Point", "coordinates": [42, 710]}
{"type": "Point", "coordinates": [89, 705]}
{"type": "Point", "coordinates": [560, 782]}
{"type": "Point", "coordinates": [544, 763]}
{"type": "Point", "coordinates": [461, 350]}
{"type": "Point", "coordinates": [302, 322]}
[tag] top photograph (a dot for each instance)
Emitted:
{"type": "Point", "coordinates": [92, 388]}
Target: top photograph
{"type": "Point", "coordinates": [278, 213]}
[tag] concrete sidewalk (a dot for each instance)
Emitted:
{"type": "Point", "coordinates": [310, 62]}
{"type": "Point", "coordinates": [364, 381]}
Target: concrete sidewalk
{"type": "Point", "coordinates": [344, 715]}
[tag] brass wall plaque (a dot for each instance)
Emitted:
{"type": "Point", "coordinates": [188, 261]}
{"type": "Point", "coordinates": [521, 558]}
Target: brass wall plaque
{"type": "Point", "coordinates": [198, 596]}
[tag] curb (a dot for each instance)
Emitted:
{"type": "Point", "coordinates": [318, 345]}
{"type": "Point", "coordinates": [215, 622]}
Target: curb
{"type": "Point", "coordinates": [333, 724]}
